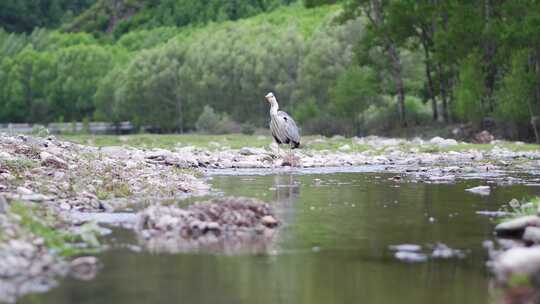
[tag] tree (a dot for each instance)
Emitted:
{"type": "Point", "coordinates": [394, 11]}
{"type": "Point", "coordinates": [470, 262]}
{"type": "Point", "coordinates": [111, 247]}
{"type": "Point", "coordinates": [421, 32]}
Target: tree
{"type": "Point", "coordinates": [25, 86]}
{"type": "Point", "coordinates": [356, 89]}
{"type": "Point", "coordinates": [79, 68]}
{"type": "Point", "coordinates": [381, 35]}
{"type": "Point", "coordinates": [152, 90]}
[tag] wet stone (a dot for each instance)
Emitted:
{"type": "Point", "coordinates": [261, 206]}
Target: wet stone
{"type": "Point", "coordinates": [406, 247]}
{"type": "Point", "coordinates": [517, 226]}
{"type": "Point", "coordinates": [269, 221]}
{"type": "Point", "coordinates": [481, 190]}
{"type": "Point", "coordinates": [225, 225]}
{"type": "Point", "coordinates": [517, 260]}
{"type": "Point", "coordinates": [442, 251]}
{"type": "Point", "coordinates": [532, 234]}
{"type": "Point", "coordinates": [84, 268]}
{"type": "Point", "coordinates": [410, 257]}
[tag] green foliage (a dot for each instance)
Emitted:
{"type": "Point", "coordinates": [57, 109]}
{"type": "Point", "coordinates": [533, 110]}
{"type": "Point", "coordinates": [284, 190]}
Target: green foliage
{"type": "Point", "coordinates": [516, 93]}
{"type": "Point", "coordinates": [78, 70]}
{"type": "Point", "coordinates": [418, 113]}
{"type": "Point", "coordinates": [18, 167]}
{"type": "Point", "coordinates": [469, 91]}
{"type": "Point", "coordinates": [306, 111]}
{"type": "Point", "coordinates": [153, 89]}
{"type": "Point", "coordinates": [516, 208]}
{"type": "Point", "coordinates": [159, 63]}
{"type": "Point", "coordinates": [210, 122]}
{"type": "Point", "coordinates": [24, 16]}
{"type": "Point", "coordinates": [384, 116]}
{"type": "Point", "coordinates": [121, 17]}
{"type": "Point", "coordinates": [24, 86]}
{"type": "Point", "coordinates": [145, 39]}
{"type": "Point", "coordinates": [356, 89]}
{"type": "Point", "coordinates": [248, 128]}
{"type": "Point", "coordinates": [54, 239]}
{"type": "Point", "coordinates": [314, 3]}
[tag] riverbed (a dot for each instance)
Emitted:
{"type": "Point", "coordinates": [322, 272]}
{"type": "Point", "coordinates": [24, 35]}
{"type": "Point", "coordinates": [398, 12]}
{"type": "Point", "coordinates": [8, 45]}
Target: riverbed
{"type": "Point", "coordinates": [333, 246]}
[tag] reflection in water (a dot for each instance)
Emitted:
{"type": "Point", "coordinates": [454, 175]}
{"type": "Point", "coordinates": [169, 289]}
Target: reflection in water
{"type": "Point", "coordinates": [351, 217]}
{"type": "Point", "coordinates": [287, 189]}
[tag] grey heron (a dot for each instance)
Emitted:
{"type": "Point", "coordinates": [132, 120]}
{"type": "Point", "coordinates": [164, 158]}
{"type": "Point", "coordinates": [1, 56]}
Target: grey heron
{"type": "Point", "coordinates": [282, 126]}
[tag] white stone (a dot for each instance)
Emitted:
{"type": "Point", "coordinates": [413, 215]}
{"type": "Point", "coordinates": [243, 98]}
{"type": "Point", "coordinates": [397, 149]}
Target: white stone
{"type": "Point", "coordinates": [481, 190]}
{"type": "Point", "coordinates": [519, 260]}
{"type": "Point", "coordinates": [345, 147]}
{"type": "Point", "coordinates": [24, 191]}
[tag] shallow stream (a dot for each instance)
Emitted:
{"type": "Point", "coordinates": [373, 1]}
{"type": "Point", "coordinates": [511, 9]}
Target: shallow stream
{"type": "Point", "coordinates": [332, 248]}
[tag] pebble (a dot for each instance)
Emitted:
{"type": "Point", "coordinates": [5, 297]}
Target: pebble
{"type": "Point", "coordinates": [406, 247]}
{"type": "Point", "coordinates": [269, 221]}
{"type": "Point", "coordinates": [84, 268]}
{"type": "Point", "coordinates": [481, 190]}
{"type": "Point", "coordinates": [410, 257]}
{"type": "Point", "coordinates": [445, 252]}
{"type": "Point", "coordinates": [24, 191]}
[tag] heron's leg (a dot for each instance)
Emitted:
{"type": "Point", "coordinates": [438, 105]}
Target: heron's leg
{"type": "Point", "coordinates": [291, 152]}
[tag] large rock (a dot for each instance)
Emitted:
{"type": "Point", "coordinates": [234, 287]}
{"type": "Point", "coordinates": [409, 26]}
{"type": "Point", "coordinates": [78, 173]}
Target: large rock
{"type": "Point", "coordinates": [483, 137]}
{"type": "Point", "coordinates": [519, 260]}
{"type": "Point", "coordinates": [517, 226]}
{"type": "Point", "coordinates": [225, 225]}
{"type": "Point", "coordinates": [532, 234]}
{"type": "Point", "coordinates": [443, 142]}
{"type": "Point", "coordinates": [251, 151]}
{"type": "Point", "coordinates": [47, 159]}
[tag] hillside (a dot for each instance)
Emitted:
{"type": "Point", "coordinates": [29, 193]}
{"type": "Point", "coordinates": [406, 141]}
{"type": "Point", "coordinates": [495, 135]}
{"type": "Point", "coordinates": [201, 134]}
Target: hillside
{"type": "Point", "coordinates": [55, 76]}
{"type": "Point", "coordinates": [335, 67]}
{"type": "Point", "coordinates": [122, 16]}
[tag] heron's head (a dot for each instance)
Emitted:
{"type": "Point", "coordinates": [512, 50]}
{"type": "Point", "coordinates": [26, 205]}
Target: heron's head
{"type": "Point", "coordinates": [270, 97]}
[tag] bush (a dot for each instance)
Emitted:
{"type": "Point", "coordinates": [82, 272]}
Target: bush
{"type": "Point", "coordinates": [327, 125]}
{"type": "Point", "coordinates": [86, 125]}
{"type": "Point", "coordinates": [418, 113]}
{"type": "Point", "coordinates": [248, 128]}
{"type": "Point", "coordinates": [211, 122]}
{"type": "Point", "coordinates": [227, 125]}
{"type": "Point", "coordinates": [384, 117]}
{"type": "Point", "coordinates": [208, 120]}
{"type": "Point", "coordinates": [469, 91]}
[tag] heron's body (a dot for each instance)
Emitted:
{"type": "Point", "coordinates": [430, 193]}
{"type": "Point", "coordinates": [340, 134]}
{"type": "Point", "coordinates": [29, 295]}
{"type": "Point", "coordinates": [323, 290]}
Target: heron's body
{"type": "Point", "coordinates": [282, 126]}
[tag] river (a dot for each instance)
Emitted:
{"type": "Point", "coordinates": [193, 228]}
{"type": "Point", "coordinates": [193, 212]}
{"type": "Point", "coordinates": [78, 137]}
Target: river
{"type": "Point", "coordinates": [332, 248]}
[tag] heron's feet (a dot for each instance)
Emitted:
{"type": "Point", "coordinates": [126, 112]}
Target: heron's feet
{"type": "Point", "coordinates": [291, 160]}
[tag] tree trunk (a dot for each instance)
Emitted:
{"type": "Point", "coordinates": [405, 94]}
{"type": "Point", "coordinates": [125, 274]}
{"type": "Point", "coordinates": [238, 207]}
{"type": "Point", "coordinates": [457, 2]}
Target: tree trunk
{"type": "Point", "coordinates": [431, 91]}
{"type": "Point", "coordinates": [536, 119]}
{"type": "Point", "coordinates": [179, 115]}
{"type": "Point", "coordinates": [395, 61]}
{"type": "Point", "coordinates": [490, 49]}
{"type": "Point", "coordinates": [400, 87]}
{"type": "Point", "coordinates": [444, 95]}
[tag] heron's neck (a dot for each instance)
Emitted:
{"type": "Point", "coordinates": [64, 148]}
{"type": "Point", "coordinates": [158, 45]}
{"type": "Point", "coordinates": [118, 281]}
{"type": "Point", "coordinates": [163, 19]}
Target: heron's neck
{"type": "Point", "coordinates": [274, 107]}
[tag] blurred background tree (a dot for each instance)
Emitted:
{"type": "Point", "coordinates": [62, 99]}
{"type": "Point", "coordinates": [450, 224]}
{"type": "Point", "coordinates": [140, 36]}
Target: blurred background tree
{"type": "Point", "coordinates": [350, 67]}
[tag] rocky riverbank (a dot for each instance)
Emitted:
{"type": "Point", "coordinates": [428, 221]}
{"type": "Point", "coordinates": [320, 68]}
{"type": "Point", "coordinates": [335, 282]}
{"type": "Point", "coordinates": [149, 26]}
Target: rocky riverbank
{"type": "Point", "coordinates": [514, 257]}
{"type": "Point", "coordinates": [54, 194]}
{"type": "Point", "coordinates": [44, 181]}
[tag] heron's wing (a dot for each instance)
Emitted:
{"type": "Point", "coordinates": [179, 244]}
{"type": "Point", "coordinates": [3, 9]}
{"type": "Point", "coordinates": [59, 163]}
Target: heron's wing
{"type": "Point", "coordinates": [290, 128]}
